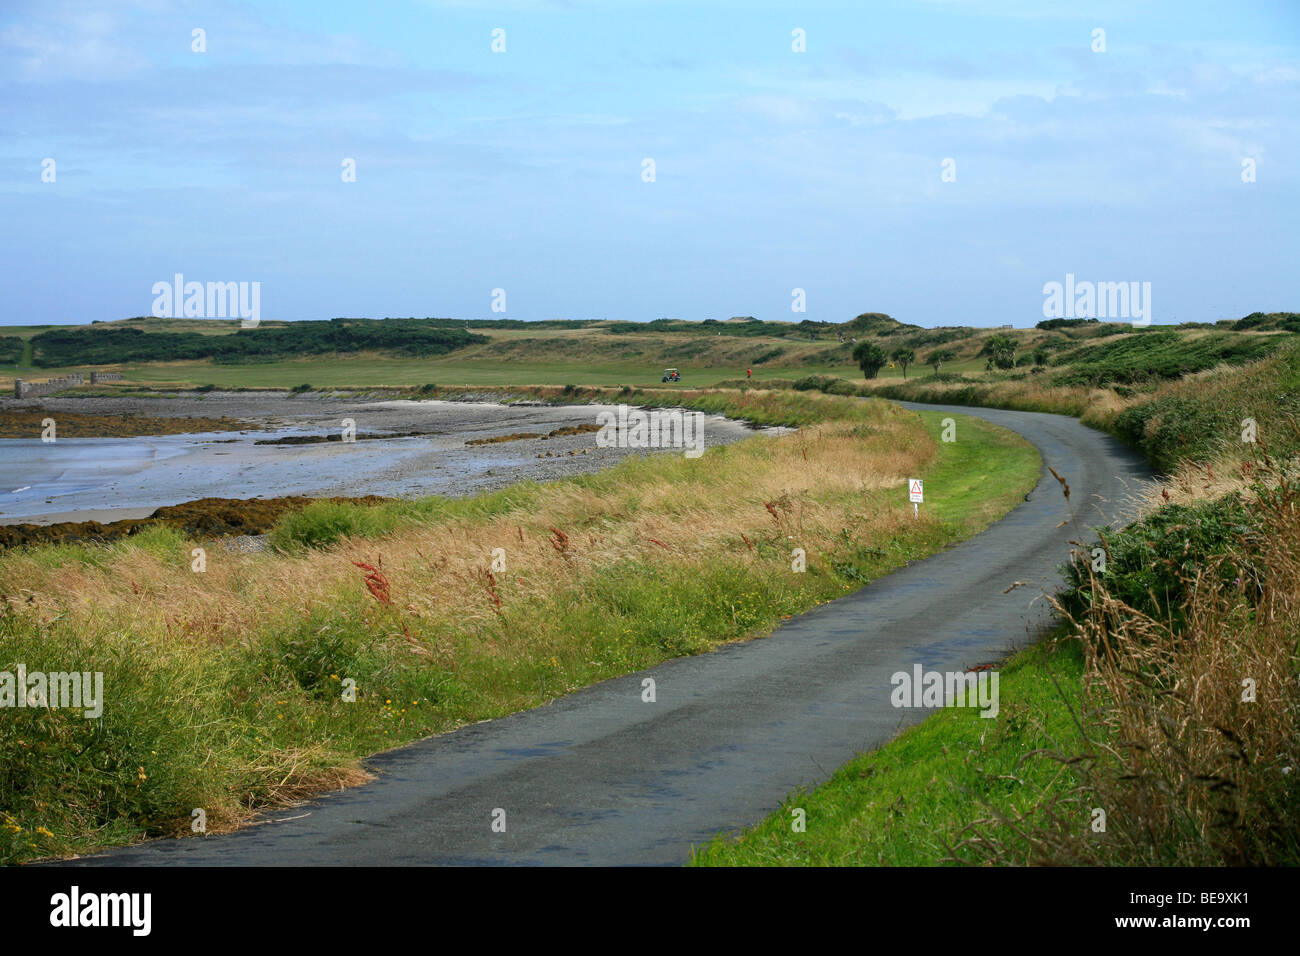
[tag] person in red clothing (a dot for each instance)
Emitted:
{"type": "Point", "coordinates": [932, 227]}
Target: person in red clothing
{"type": "Point", "coordinates": [749, 373]}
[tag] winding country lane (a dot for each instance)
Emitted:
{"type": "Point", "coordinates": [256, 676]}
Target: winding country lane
{"type": "Point", "coordinates": [599, 777]}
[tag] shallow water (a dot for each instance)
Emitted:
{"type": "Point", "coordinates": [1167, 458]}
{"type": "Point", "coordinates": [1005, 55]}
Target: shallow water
{"type": "Point", "coordinates": [83, 478]}
{"type": "Point", "coordinates": [76, 474]}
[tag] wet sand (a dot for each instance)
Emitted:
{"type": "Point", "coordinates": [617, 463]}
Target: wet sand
{"type": "Point", "coordinates": [106, 479]}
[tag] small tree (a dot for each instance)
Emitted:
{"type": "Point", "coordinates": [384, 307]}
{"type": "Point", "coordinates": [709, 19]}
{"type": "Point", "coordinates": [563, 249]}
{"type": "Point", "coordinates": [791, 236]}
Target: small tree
{"type": "Point", "coordinates": [870, 358]}
{"type": "Point", "coordinates": [1001, 351]}
{"type": "Point", "coordinates": [904, 357]}
{"type": "Point", "coordinates": [938, 357]}
{"type": "Point", "coordinates": [1040, 356]}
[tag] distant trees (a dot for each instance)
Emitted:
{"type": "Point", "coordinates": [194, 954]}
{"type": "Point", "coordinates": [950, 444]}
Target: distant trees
{"type": "Point", "coordinates": [102, 346]}
{"type": "Point", "coordinates": [870, 357]}
{"type": "Point", "coordinates": [1049, 324]}
{"type": "Point", "coordinates": [904, 357]}
{"type": "Point", "coordinates": [938, 357]}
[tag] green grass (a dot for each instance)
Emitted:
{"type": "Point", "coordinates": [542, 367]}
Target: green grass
{"type": "Point", "coordinates": [378, 372]}
{"type": "Point", "coordinates": [969, 484]}
{"type": "Point", "coordinates": [907, 803]}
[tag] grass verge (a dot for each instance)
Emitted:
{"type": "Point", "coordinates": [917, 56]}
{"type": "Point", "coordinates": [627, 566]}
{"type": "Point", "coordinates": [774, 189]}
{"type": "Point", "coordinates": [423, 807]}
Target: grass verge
{"type": "Point", "coordinates": [908, 803]}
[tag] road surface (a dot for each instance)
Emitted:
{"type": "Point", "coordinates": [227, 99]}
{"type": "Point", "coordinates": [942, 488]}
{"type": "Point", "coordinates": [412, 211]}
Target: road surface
{"type": "Point", "coordinates": [600, 777]}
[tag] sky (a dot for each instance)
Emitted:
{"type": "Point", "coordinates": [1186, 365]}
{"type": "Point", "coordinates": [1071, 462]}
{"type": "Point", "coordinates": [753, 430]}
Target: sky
{"type": "Point", "coordinates": [937, 160]}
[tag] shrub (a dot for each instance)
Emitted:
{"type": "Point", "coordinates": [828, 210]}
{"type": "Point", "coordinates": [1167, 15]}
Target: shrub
{"type": "Point", "coordinates": [1000, 350]}
{"type": "Point", "coordinates": [870, 358]}
{"type": "Point", "coordinates": [11, 349]}
{"type": "Point", "coordinates": [813, 383]}
{"type": "Point", "coordinates": [1149, 564]}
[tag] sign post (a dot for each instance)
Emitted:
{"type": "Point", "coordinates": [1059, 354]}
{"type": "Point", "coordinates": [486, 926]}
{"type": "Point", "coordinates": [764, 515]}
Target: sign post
{"type": "Point", "coordinates": [915, 494]}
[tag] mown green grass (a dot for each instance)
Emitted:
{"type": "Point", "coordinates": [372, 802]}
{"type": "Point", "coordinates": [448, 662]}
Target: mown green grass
{"type": "Point", "coordinates": [376, 372]}
{"type": "Point", "coordinates": [907, 803]}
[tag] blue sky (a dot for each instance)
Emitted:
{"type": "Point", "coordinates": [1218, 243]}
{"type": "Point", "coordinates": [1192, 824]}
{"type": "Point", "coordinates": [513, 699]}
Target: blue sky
{"type": "Point", "coordinates": [774, 170]}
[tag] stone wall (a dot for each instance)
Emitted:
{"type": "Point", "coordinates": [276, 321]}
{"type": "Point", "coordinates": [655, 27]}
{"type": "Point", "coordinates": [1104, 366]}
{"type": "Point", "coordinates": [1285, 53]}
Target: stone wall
{"type": "Point", "coordinates": [35, 389]}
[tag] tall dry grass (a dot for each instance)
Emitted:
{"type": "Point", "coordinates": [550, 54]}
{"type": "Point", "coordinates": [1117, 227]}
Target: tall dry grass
{"type": "Point", "coordinates": [663, 509]}
{"type": "Point", "coordinates": [1189, 729]}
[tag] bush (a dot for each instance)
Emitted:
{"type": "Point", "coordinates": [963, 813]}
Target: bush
{"type": "Point", "coordinates": [813, 383]}
{"type": "Point", "coordinates": [11, 349]}
{"type": "Point", "coordinates": [1149, 564]}
{"type": "Point", "coordinates": [826, 384]}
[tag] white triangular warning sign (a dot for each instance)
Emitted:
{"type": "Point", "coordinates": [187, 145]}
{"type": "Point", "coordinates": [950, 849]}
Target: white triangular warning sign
{"type": "Point", "coordinates": [914, 490]}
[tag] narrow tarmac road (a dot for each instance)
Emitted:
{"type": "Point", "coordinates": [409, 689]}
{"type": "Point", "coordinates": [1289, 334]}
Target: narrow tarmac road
{"type": "Point", "coordinates": [600, 777]}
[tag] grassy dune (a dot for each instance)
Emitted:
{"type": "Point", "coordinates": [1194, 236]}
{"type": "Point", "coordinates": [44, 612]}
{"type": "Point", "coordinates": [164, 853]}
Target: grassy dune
{"type": "Point", "coordinates": [225, 688]}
